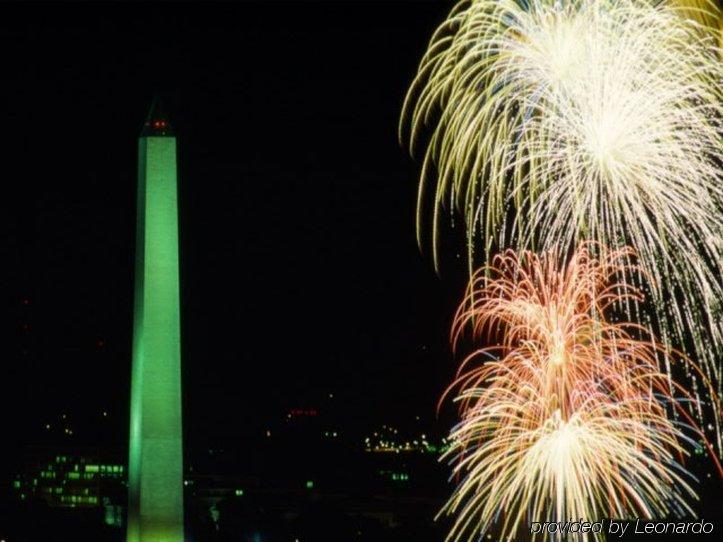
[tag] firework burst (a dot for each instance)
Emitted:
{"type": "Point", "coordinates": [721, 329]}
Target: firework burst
{"type": "Point", "coordinates": [589, 119]}
{"type": "Point", "coordinates": [706, 12]}
{"type": "Point", "coordinates": [567, 415]}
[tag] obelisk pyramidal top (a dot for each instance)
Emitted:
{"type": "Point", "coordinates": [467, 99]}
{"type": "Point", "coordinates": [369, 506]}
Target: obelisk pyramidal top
{"type": "Point", "coordinates": [155, 504]}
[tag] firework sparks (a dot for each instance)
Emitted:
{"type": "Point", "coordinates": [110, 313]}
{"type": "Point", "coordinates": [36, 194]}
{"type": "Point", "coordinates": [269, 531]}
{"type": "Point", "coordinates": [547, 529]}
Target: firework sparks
{"type": "Point", "coordinates": [588, 119]}
{"type": "Point", "coordinates": [706, 12]}
{"type": "Point", "coordinates": [567, 415]}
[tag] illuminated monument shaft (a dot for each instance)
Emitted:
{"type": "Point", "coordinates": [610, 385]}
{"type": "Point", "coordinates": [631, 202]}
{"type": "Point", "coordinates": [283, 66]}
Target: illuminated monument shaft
{"type": "Point", "coordinates": [155, 507]}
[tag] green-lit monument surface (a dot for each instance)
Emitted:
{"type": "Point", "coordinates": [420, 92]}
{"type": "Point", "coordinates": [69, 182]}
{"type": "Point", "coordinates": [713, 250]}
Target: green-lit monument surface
{"type": "Point", "coordinates": [155, 506]}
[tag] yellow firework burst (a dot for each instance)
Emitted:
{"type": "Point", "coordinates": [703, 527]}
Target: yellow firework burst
{"type": "Point", "coordinates": [566, 415]}
{"type": "Point", "coordinates": [586, 119]}
{"type": "Point", "coordinates": [706, 12]}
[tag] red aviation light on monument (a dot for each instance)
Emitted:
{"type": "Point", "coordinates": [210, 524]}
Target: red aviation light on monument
{"type": "Point", "coordinates": [157, 123]}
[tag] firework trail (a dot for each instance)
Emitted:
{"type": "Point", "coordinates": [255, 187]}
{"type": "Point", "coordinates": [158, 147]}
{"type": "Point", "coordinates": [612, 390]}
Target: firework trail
{"type": "Point", "coordinates": [706, 12]}
{"type": "Point", "coordinates": [555, 122]}
{"type": "Point", "coordinates": [566, 416]}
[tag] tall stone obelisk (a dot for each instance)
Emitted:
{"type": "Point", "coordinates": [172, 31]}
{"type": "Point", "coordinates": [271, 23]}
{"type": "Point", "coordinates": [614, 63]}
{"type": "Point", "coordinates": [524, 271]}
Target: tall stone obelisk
{"type": "Point", "coordinates": [155, 503]}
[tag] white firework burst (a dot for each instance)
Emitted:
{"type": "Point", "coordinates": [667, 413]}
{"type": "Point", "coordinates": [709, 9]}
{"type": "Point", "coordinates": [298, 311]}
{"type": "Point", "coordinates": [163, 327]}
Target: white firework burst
{"type": "Point", "coordinates": [557, 122]}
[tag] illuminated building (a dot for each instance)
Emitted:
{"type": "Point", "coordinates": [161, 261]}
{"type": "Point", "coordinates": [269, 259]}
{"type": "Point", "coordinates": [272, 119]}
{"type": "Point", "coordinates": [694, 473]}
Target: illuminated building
{"type": "Point", "coordinates": [155, 501]}
{"type": "Point", "coordinates": [73, 478]}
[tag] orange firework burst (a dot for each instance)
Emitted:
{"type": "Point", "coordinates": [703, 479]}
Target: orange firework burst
{"type": "Point", "coordinates": [568, 415]}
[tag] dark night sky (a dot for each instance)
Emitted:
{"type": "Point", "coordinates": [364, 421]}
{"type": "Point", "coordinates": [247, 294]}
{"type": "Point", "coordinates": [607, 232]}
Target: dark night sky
{"type": "Point", "coordinates": [300, 270]}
